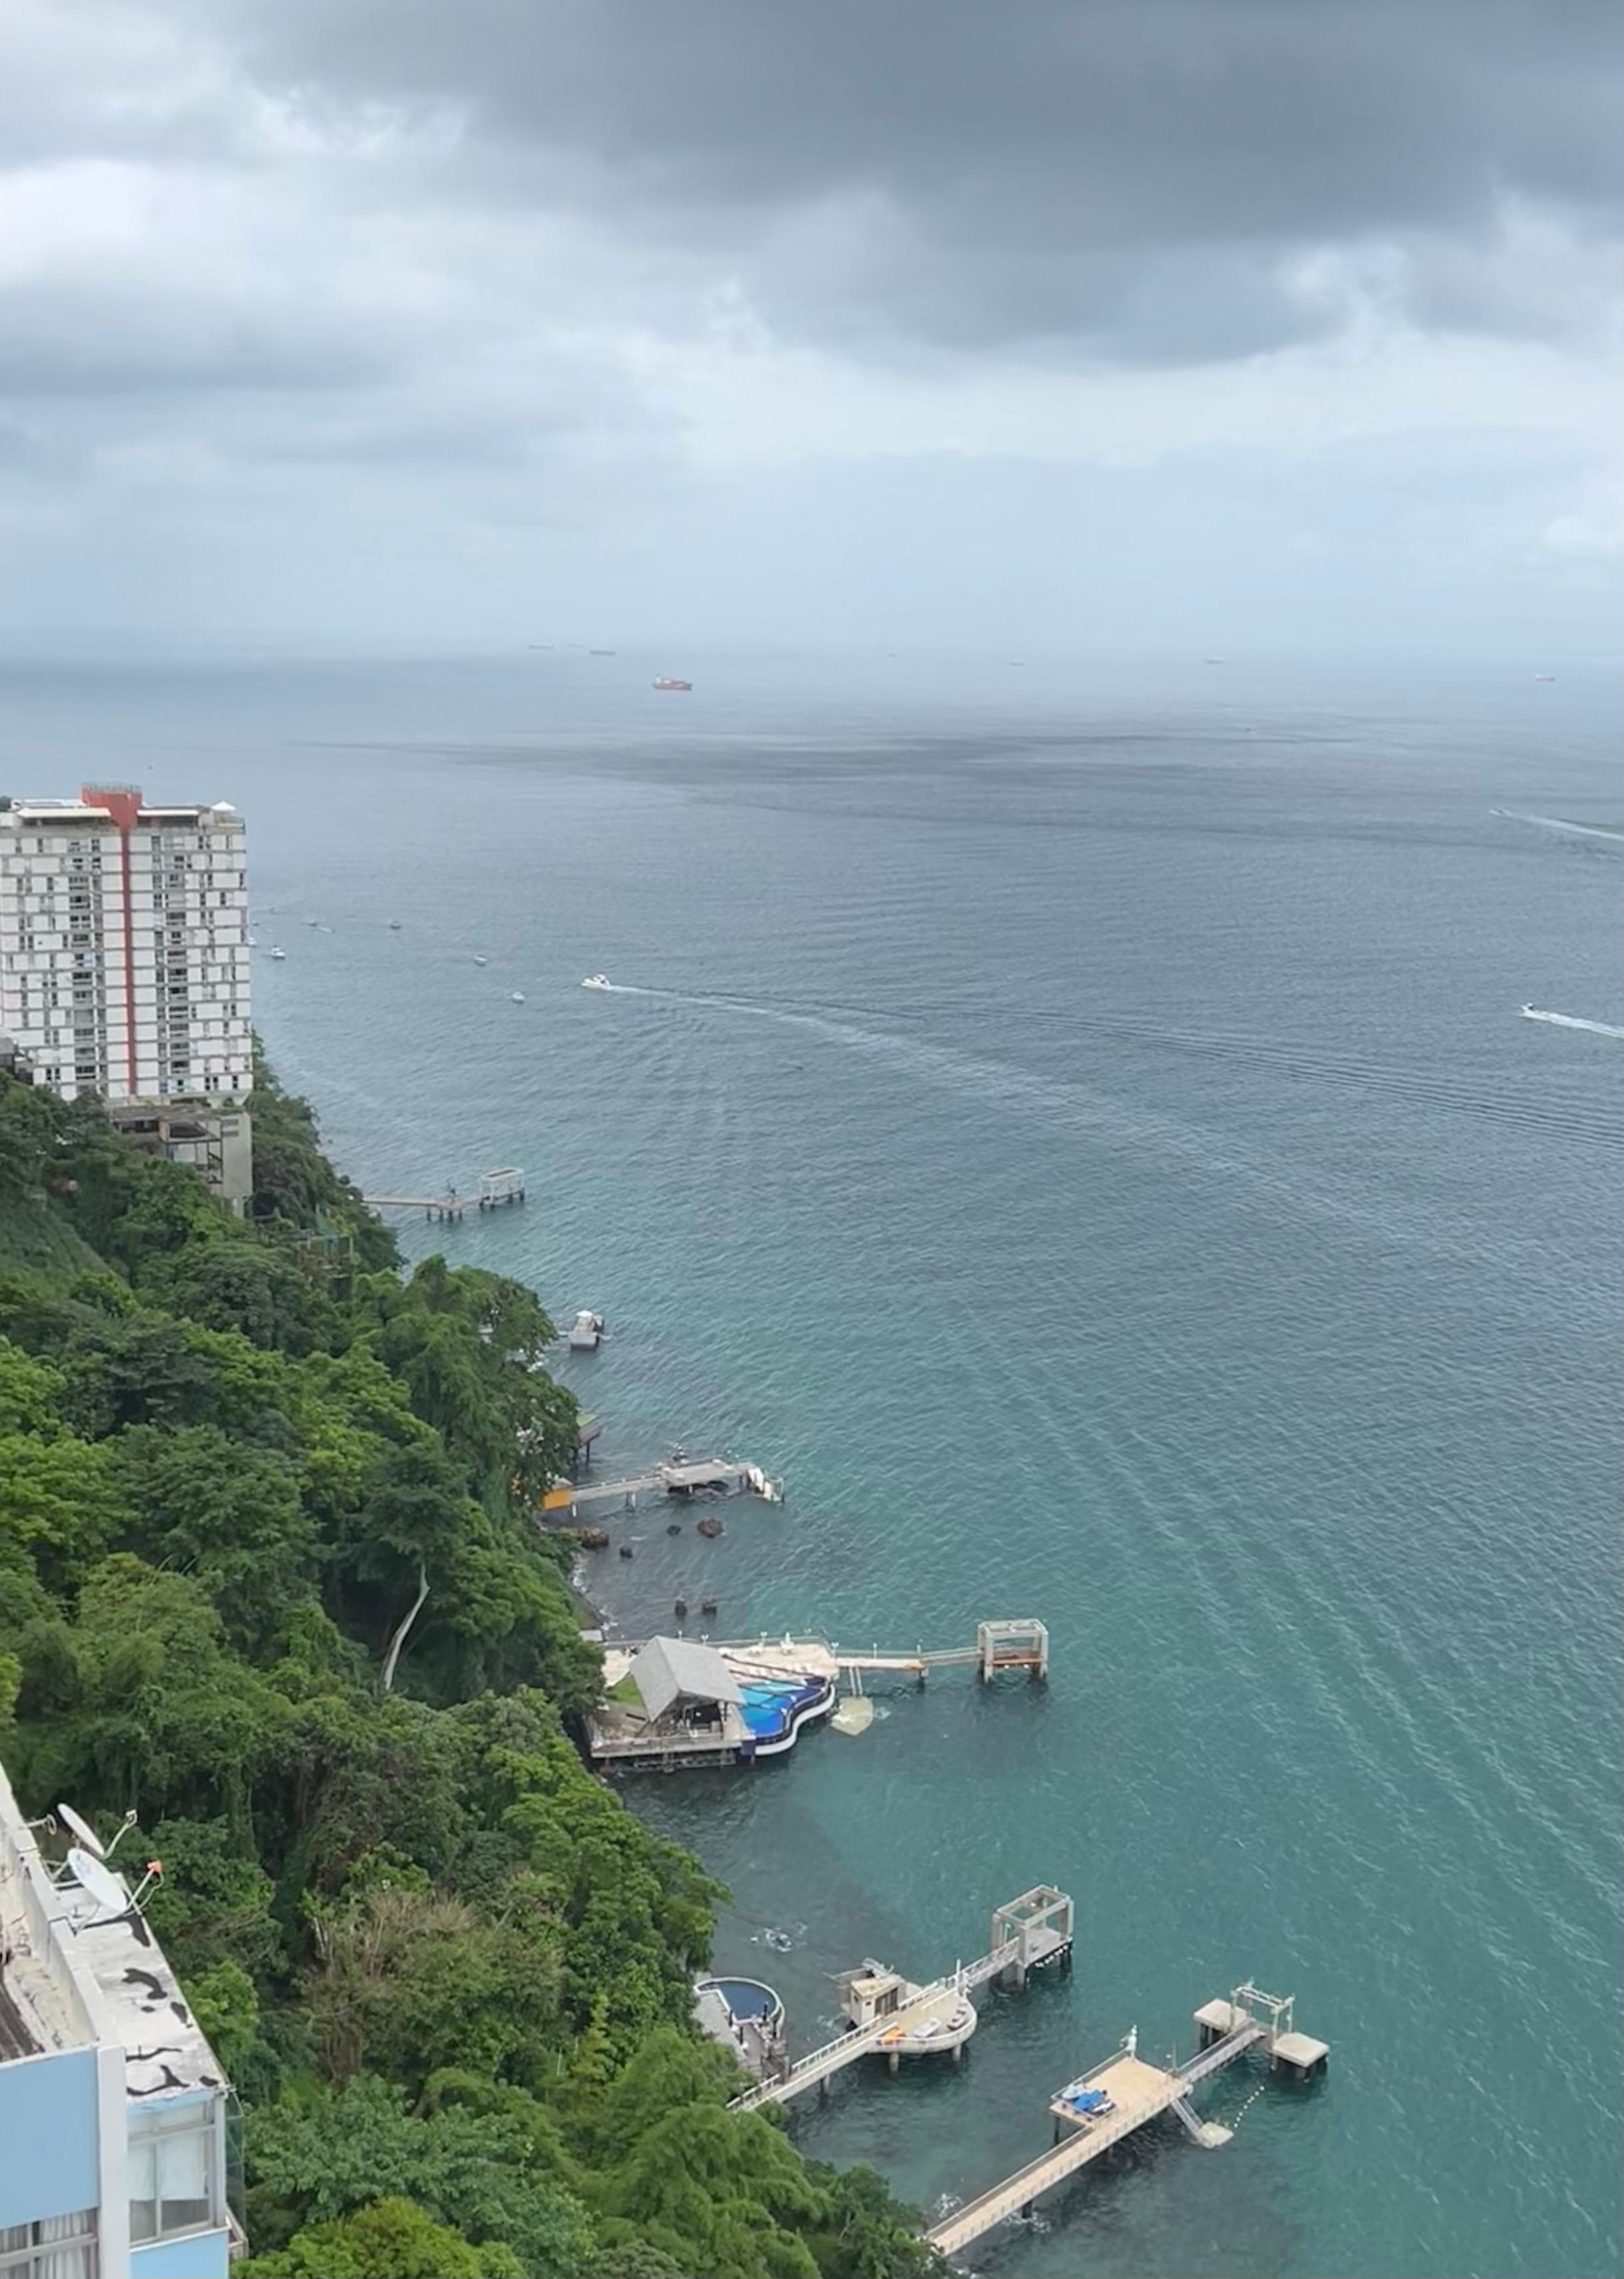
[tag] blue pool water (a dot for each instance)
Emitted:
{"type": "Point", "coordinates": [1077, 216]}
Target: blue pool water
{"type": "Point", "coordinates": [768, 1709]}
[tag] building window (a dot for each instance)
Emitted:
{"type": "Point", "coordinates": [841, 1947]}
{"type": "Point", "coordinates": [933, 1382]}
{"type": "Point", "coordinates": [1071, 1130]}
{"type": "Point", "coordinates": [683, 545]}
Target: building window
{"type": "Point", "coordinates": [174, 2172]}
{"type": "Point", "coordinates": [58, 2247]}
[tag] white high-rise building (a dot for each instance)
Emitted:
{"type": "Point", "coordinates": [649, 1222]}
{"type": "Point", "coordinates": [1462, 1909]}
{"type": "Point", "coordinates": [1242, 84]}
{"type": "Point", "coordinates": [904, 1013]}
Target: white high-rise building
{"type": "Point", "coordinates": [124, 954]}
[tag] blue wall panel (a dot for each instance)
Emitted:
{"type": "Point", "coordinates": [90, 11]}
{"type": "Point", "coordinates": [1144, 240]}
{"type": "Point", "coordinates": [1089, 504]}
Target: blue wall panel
{"type": "Point", "coordinates": [200, 2255]}
{"type": "Point", "coordinates": [47, 2136]}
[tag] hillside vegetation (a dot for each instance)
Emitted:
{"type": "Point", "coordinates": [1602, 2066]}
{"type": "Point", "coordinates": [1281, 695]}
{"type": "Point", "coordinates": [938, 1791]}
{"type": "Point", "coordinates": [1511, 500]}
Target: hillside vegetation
{"type": "Point", "coordinates": [268, 1577]}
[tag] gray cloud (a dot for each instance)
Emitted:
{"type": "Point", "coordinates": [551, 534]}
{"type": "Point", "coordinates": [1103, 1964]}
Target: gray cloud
{"type": "Point", "coordinates": [1033, 169]}
{"type": "Point", "coordinates": [1010, 313]}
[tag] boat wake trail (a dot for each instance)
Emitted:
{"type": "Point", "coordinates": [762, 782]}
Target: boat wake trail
{"type": "Point", "coordinates": [865, 1029]}
{"type": "Point", "coordinates": [1570, 1021]}
{"type": "Point", "coordinates": [1555, 823]}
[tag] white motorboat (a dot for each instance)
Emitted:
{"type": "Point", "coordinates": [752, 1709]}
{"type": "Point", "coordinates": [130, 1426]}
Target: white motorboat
{"type": "Point", "coordinates": [278, 952]}
{"type": "Point", "coordinates": [597, 981]}
{"type": "Point", "coordinates": [518, 997]}
{"type": "Point", "coordinates": [585, 1331]}
{"type": "Point", "coordinates": [480, 961]}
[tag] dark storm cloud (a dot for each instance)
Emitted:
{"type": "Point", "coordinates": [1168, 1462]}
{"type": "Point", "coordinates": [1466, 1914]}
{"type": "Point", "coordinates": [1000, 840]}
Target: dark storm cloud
{"type": "Point", "coordinates": [1134, 175]}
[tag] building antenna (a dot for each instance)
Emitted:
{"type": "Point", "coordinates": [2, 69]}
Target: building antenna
{"type": "Point", "coordinates": [79, 1829]}
{"type": "Point", "coordinates": [107, 1894]}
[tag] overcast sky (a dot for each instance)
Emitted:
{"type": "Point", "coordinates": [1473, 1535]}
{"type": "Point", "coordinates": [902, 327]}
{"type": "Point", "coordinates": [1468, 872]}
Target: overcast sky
{"type": "Point", "coordinates": [1276, 324]}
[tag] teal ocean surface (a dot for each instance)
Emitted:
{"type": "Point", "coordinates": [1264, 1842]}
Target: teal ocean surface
{"type": "Point", "coordinates": [1079, 1128]}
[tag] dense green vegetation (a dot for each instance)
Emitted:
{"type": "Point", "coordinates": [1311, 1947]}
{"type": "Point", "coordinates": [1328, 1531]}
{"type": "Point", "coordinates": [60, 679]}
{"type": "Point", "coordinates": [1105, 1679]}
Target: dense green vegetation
{"type": "Point", "coordinates": [267, 1575]}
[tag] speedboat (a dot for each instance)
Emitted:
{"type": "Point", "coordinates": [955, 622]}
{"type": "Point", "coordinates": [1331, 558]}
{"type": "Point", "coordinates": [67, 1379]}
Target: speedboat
{"type": "Point", "coordinates": [597, 981]}
{"type": "Point", "coordinates": [518, 997]}
{"type": "Point", "coordinates": [278, 952]}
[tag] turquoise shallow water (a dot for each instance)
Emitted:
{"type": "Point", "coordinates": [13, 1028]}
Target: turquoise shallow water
{"type": "Point", "coordinates": [1092, 1151]}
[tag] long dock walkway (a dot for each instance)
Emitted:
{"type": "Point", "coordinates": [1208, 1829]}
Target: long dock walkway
{"type": "Point", "coordinates": [686, 1476]}
{"type": "Point", "coordinates": [1027, 1932]}
{"type": "Point", "coordinates": [492, 1190]}
{"type": "Point", "coordinates": [1125, 2093]}
{"type": "Point", "coordinates": [998, 1646]}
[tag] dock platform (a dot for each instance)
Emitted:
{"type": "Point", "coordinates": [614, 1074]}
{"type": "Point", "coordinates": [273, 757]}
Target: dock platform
{"type": "Point", "coordinates": [678, 1476]}
{"type": "Point", "coordinates": [1125, 2093]}
{"type": "Point", "coordinates": [752, 1698]}
{"type": "Point", "coordinates": [1027, 1933]}
{"type": "Point", "coordinates": [492, 1190]}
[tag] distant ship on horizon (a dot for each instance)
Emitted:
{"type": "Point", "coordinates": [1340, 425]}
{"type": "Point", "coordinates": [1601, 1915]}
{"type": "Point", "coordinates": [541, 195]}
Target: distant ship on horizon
{"type": "Point", "coordinates": [664, 680]}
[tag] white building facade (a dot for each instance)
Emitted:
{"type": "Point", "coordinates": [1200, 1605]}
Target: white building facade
{"type": "Point", "coordinates": [124, 950]}
{"type": "Point", "coordinates": [114, 2152]}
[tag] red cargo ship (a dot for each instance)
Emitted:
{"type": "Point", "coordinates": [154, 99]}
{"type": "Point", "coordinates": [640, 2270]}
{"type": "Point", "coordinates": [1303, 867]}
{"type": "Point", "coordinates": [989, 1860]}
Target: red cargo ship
{"type": "Point", "coordinates": [664, 682]}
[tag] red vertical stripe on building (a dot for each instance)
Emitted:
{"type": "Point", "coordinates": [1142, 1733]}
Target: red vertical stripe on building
{"type": "Point", "coordinates": [122, 801]}
{"type": "Point", "coordinates": [127, 869]}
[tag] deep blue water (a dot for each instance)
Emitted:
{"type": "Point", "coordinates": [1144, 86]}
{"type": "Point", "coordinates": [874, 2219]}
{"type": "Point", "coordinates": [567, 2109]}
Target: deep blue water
{"type": "Point", "coordinates": [1078, 1126]}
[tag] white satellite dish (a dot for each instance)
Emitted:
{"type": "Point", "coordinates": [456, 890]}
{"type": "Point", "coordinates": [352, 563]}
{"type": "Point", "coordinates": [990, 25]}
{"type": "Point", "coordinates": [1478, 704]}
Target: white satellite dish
{"type": "Point", "coordinates": [100, 1882]}
{"type": "Point", "coordinates": [80, 1828]}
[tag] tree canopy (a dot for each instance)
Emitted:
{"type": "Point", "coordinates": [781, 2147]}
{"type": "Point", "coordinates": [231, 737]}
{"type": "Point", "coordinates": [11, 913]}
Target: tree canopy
{"type": "Point", "coordinates": [270, 1577]}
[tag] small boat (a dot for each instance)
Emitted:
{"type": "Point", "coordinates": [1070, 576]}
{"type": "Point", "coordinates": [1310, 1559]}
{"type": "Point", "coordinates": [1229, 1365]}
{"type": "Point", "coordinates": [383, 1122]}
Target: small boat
{"type": "Point", "coordinates": [518, 997]}
{"type": "Point", "coordinates": [481, 961]}
{"type": "Point", "coordinates": [664, 680]}
{"type": "Point", "coordinates": [394, 924]}
{"type": "Point", "coordinates": [600, 652]}
{"type": "Point", "coordinates": [312, 922]}
{"type": "Point", "coordinates": [1544, 676]}
{"type": "Point", "coordinates": [585, 1331]}
{"type": "Point", "coordinates": [278, 952]}
{"type": "Point", "coordinates": [597, 981]}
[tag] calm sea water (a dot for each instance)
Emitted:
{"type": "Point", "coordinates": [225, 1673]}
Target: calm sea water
{"type": "Point", "coordinates": [1078, 1127]}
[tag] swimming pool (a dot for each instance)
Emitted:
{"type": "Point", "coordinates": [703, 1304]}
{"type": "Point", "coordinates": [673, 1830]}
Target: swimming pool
{"type": "Point", "coordinates": [768, 1706]}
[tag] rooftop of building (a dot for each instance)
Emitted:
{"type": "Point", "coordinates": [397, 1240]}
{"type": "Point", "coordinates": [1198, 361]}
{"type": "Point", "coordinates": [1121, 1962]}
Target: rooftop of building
{"type": "Point", "coordinates": [83, 810]}
{"type": "Point", "coordinates": [75, 1975]}
{"type": "Point", "coordinates": [668, 1670]}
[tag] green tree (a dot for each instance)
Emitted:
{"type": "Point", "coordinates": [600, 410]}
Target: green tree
{"type": "Point", "coordinates": [30, 1393]}
{"type": "Point", "coordinates": [391, 2239]}
{"type": "Point", "coordinates": [29, 1133]}
{"type": "Point", "coordinates": [225, 2005]}
{"type": "Point", "coordinates": [61, 1502]}
{"type": "Point", "coordinates": [139, 1702]}
{"type": "Point", "coordinates": [409, 1981]}
{"type": "Point", "coordinates": [216, 1903]}
{"type": "Point", "coordinates": [250, 1286]}
{"type": "Point", "coordinates": [498, 2173]}
{"type": "Point", "coordinates": [228, 1514]}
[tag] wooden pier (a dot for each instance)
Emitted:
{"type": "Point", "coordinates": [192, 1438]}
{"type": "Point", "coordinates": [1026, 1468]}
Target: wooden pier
{"type": "Point", "coordinates": [678, 1476]}
{"type": "Point", "coordinates": [1125, 2094]}
{"type": "Point", "coordinates": [998, 1646]}
{"type": "Point", "coordinates": [491, 1190]}
{"type": "Point", "coordinates": [1028, 1932]}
